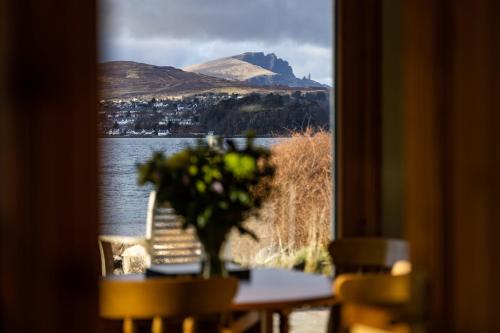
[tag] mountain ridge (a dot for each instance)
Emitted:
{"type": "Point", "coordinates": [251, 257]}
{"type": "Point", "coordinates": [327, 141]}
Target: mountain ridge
{"type": "Point", "coordinates": [268, 61]}
{"type": "Point", "coordinates": [229, 68]}
{"type": "Point", "coordinates": [130, 79]}
{"type": "Point", "coordinates": [280, 73]}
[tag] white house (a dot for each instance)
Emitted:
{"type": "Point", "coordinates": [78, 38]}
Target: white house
{"type": "Point", "coordinates": [163, 132]}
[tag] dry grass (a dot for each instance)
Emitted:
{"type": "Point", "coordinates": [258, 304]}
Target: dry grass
{"type": "Point", "coordinates": [300, 205]}
{"type": "Point", "coordinates": [297, 214]}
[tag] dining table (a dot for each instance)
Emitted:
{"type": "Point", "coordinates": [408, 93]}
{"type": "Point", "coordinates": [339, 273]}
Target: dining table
{"type": "Point", "coordinates": [269, 291]}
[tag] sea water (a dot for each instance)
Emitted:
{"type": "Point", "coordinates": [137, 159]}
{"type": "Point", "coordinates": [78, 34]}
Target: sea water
{"type": "Point", "coordinates": [123, 202]}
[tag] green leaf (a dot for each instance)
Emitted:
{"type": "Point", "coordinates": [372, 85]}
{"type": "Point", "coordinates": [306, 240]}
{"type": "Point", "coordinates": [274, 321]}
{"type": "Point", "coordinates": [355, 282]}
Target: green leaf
{"type": "Point", "coordinates": [242, 166]}
{"type": "Point", "coordinates": [193, 170]}
{"type": "Point", "coordinates": [201, 186]}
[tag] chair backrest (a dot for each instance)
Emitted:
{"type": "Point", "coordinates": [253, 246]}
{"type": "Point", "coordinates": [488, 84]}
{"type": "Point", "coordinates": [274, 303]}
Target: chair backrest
{"type": "Point", "coordinates": [168, 242]}
{"type": "Point", "coordinates": [365, 255]}
{"type": "Point", "coordinates": [107, 260]}
{"type": "Point", "coordinates": [165, 297]}
{"type": "Point", "coordinates": [373, 289]}
{"type": "Point", "coordinates": [379, 302]}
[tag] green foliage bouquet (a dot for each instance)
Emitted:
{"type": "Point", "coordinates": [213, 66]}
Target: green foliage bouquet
{"type": "Point", "coordinates": [215, 188]}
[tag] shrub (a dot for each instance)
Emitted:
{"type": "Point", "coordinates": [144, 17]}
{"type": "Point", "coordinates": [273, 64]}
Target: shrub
{"type": "Point", "coordinates": [300, 205]}
{"type": "Point", "coordinates": [296, 217]}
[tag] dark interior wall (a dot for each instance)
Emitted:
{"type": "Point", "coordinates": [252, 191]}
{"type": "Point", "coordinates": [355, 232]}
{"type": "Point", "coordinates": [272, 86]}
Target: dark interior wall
{"type": "Point", "coordinates": [358, 116]}
{"type": "Point", "coordinates": [392, 132]}
{"type": "Point", "coordinates": [48, 167]}
{"type": "Point", "coordinates": [369, 118]}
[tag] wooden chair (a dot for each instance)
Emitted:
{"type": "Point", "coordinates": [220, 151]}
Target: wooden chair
{"type": "Point", "coordinates": [367, 255]}
{"type": "Point", "coordinates": [363, 255]}
{"type": "Point", "coordinates": [169, 243]}
{"type": "Point", "coordinates": [378, 301]}
{"type": "Point", "coordinates": [161, 298]}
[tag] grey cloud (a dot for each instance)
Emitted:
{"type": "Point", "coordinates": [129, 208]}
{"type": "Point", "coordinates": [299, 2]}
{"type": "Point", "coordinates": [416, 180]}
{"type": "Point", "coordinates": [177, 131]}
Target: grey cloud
{"type": "Point", "coordinates": [303, 21]}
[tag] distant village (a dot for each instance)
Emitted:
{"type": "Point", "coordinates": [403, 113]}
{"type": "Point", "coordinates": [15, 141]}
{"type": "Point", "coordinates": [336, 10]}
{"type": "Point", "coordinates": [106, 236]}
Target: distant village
{"type": "Point", "coordinates": [192, 116]}
{"type": "Point", "coordinates": [156, 117]}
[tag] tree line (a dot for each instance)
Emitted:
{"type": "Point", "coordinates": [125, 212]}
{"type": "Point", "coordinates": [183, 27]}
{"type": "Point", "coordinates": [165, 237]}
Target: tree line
{"type": "Point", "coordinates": [268, 114]}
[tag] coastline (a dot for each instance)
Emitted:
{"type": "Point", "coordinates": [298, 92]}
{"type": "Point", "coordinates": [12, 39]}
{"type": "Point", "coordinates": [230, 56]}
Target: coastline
{"type": "Point", "coordinates": [187, 136]}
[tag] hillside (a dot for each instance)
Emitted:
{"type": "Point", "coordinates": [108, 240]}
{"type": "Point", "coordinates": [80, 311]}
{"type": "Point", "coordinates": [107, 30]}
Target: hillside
{"type": "Point", "coordinates": [127, 79]}
{"type": "Point", "coordinates": [229, 69]}
{"type": "Point", "coordinates": [254, 68]}
{"type": "Point", "coordinates": [267, 114]}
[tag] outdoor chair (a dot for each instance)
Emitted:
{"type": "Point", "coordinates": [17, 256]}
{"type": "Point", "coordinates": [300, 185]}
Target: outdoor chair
{"type": "Point", "coordinates": [363, 255]}
{"type": "Point", "coordinates": [158, 300]}
{"type": "Point", "coordinates": [106, 250]}
{"type": "Point", "coordinates": [168, 242]}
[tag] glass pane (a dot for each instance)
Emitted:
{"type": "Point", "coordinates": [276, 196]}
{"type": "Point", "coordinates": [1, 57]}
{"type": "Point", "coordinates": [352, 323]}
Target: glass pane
{"type": "Point", "coordinates": [175, 71]}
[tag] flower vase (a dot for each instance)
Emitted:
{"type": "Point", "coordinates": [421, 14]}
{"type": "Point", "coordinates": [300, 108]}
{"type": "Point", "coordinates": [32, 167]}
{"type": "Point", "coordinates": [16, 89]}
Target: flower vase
{"type": "Point", "coordinates": [212, 263]}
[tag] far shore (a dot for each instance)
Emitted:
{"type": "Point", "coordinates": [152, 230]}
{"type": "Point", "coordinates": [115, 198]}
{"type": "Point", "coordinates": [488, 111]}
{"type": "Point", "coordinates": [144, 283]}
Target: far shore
{"type": "Point", "coordinates": [187, 136]}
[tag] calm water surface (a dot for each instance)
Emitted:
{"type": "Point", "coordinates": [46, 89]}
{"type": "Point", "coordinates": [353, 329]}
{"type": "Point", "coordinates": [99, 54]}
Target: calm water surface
{"type": "Point", "coordinates": [123, 202]}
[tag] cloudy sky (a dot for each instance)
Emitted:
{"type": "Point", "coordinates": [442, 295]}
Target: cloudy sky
{"type": "Point", "coordinates": [185, 32]}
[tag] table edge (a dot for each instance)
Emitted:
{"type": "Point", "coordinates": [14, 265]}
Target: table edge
{"type": "Point", "coordinates": [290, 304]}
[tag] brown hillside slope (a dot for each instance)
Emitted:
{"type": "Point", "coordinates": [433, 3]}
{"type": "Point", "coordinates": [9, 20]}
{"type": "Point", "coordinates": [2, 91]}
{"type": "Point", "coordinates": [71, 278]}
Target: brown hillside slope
{"type": "Point", "coordinates": [126, 79]}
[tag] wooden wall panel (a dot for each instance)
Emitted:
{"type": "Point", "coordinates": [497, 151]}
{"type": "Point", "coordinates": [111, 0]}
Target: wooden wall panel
{"type": "Point", "coordinates": [392, 127]}
{"type": "Point", "coordinates": [358, 123]}
{"type": "Point", "coordinates": [474, 145]}
{"type": "Point", "coordinates": [424, 133]}
{"type": "Point", "coordinates": [452, 158]}
{"type": "Point", "coordinates": [49, 162]}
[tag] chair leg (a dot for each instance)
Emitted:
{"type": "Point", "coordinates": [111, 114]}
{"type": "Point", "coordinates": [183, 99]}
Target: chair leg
{"type": "Point", "coordinates": [334, 319]}
{"type": "Point", "coordinates": [128, 326]}
{"type": "Point", "coordinates": [188, 325]}
{"type": "Point", "coordinates": [157, 325]}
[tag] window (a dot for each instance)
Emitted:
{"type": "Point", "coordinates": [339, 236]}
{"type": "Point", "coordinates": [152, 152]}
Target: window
{"type": "Point", "coordinates": [172, 72]}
